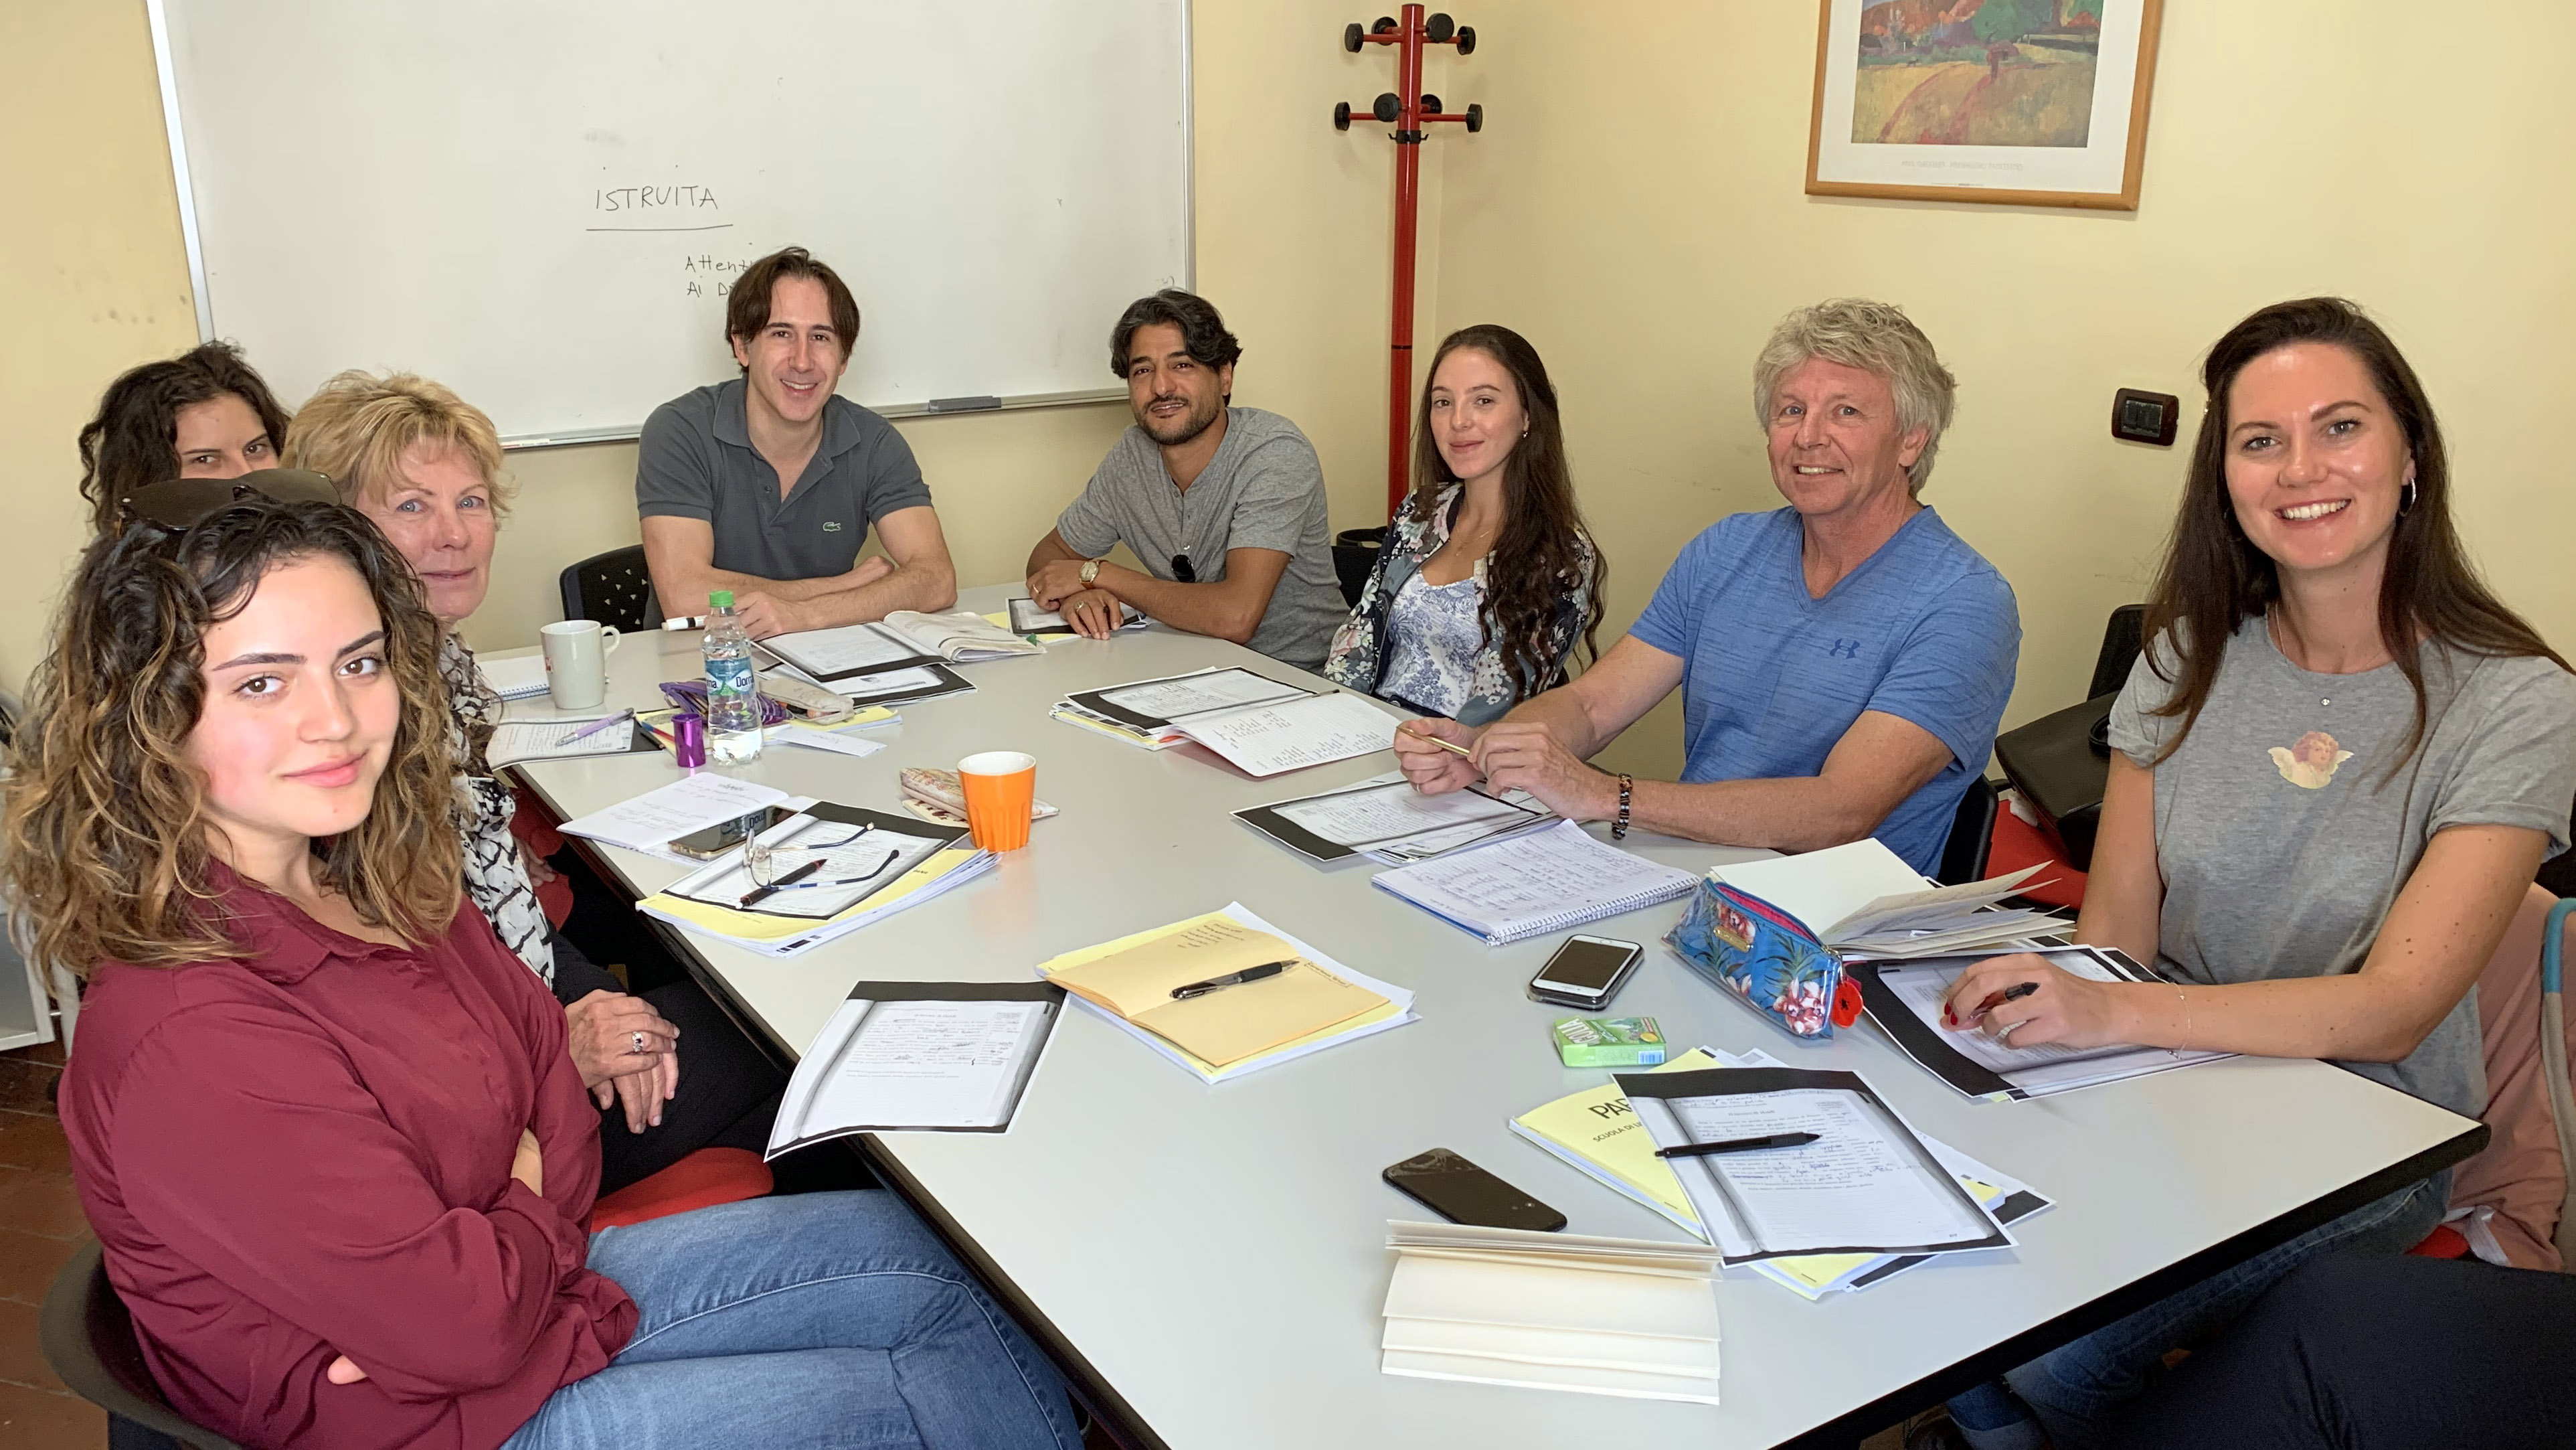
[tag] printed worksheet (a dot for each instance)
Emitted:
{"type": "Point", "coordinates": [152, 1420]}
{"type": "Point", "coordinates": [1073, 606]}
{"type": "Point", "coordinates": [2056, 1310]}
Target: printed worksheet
{"type": "Point", "coordinates": [928, 1062]}
{"type": "Point", "coordinates": [1273, 739]}
{"type": "Point", "coordinates": [1197, 694]}
{"type": "Point", "coordinates": [851, 649]}
{"type": "Point", "coordinates": [820, 868]}
{"type": "Point", "coordinates": [1386, 812]}
{"type": "Point", "coordinates": [692, 804]}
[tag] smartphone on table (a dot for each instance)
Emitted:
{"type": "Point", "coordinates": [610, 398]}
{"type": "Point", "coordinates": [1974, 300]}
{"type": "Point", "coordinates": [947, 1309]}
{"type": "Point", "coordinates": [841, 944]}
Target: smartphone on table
{"type": "Point", "coordinates": [1586, 972]}
{"type": "Point", "coordinates": [1461, 1192]}
{"type": "Point", "coordinates": [723, 836]}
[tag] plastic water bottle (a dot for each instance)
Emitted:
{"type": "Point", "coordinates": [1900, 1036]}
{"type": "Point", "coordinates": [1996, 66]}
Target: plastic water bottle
{"type": "Point", "coordinates": [733, 695]}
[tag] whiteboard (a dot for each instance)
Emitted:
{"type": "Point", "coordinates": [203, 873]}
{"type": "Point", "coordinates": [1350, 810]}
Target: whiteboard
{"type": "Point", "coordinates": [541, 202]}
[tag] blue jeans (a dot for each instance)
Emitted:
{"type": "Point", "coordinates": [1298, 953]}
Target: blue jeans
{"type": "Point", "coordinates": [2074, 1393]}
{"type": "Point", "coordinates": [818, 1320]}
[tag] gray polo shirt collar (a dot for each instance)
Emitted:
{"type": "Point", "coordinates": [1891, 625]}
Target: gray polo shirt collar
{"type": "Point", "coordinates": [733, 428]}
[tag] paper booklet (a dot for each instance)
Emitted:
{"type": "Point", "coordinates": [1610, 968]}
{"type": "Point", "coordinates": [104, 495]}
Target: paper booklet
{"type": "Point", "coordinates": [1904, 999]}
{"type": "Point", "coordinates": [694, 802]}
{"type": "Point", "coordinates": [517, 740]}
{"type": "Point", "coordinates": [1603, 1316]}
{"type": "Point", "coordinates": [1148, 706]}
{"type": "Point", "coordinates": [1026, 618]}
{"type": "Point", "coordinates": [1386, 819]}
{"type": "Point", "coordinates": [1533, 884]}
{"type": "Point", "coordinates": [860, 866]}
{"type": "Point", "coordinates": [1595, 1132]}
{"type": "Point", "coordinates": [1256, 724]}
{"type": "Point", "coordinates": [901, 640]}
{"type": "Point", "coordinates": [1861, 899]}
{"type": "Point", "coordinates": [1867, 1185]}
{"type": "Point", "coordinates": [901, 687]}
{"type": "Point", "coordinates": [907, 1056]}
{"type": "Point", "coordinates": [1325, 1002]}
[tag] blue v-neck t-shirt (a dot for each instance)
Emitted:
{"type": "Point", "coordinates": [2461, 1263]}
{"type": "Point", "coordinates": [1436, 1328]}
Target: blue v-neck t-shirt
{"type": "Point", "coordinates": [1924, 630]}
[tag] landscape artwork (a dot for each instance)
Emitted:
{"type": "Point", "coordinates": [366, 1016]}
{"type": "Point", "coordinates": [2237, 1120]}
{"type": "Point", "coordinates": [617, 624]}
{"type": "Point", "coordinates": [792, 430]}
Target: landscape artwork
{"type": "Point", "coordinates": [2028, 102]}
{"type": "Point", "coordinates": [1976, 72]}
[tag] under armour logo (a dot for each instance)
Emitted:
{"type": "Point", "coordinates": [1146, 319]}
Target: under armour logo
{"type": "Point", "coordinates": [1845, 649]}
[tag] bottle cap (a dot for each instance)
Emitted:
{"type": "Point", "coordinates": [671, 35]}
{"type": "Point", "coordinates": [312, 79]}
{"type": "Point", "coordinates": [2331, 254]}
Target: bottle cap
{"type": "Point", "coordinates": [720, 599]}
{"type": "Point", "coordinates": [689, 741]}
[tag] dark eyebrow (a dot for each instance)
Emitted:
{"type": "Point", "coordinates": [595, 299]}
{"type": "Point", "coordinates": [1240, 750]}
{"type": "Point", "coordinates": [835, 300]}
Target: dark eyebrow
{"type": "Point", "coordinates": [276, 658]}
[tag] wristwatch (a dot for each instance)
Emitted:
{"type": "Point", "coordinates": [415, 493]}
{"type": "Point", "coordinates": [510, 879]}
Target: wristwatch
{"type": "Point", "coordinates": [1091, 571]}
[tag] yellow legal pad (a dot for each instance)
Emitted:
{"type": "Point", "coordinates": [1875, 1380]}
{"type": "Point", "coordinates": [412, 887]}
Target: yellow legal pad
{"type": "Point", "coordinates": [1133, 978]}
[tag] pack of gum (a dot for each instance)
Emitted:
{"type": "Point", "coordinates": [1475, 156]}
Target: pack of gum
{"type": "Point", "coordinates": [1609, 1042]}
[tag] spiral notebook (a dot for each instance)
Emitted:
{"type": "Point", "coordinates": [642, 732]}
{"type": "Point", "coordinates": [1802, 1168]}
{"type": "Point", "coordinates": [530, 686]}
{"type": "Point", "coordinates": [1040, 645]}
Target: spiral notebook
{"type": "Point", "coordinates": [1534, 884]}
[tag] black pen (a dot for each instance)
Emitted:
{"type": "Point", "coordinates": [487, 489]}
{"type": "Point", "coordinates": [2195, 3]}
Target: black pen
{"type": "Point", "coordinates": [754, 898]}
{"type": "Point", "coordinates": [1232, 979]}
{"type": "Point", "coordinates": [1739, 1145]}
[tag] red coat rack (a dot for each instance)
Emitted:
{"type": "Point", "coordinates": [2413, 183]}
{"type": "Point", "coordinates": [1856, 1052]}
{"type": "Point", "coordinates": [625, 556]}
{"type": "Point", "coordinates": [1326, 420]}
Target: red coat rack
{"type": "Point", "coordinates": [1410, 112]}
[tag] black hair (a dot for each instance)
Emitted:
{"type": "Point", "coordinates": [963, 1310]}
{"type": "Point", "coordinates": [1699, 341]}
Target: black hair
{"type": "Point", "coordinates": [134, 439]}
{"type": "Point", "coordinates": [1203, 333]}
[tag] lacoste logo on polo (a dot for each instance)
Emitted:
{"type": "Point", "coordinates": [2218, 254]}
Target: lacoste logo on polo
{"type": "Point", "coordinates": [1845, 649]}
{"type": "Point", "coordinates": [831, 526]}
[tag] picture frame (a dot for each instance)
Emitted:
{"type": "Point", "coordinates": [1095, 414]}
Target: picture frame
{"type": "Point", "coordinates": [2013, 103]}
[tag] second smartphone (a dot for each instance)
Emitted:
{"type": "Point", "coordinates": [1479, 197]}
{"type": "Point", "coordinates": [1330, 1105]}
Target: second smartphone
{"type": "Point", "coordinates": [1586, 972]}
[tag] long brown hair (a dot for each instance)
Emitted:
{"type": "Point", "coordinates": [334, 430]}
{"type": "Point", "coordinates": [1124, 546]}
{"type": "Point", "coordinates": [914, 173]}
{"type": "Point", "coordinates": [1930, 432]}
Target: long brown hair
{"type": "Point", "coordinates": [2214, 579]}
{"type": "Point", "coordinates": [134, 439]}
{"type": "Point", "coordinates": [105, 823]}
{"type": "Point", "coordinates": [1541, 551]}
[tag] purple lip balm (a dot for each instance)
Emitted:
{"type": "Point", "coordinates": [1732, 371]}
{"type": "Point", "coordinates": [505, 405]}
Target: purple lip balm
{"type": "Point", "coordinates": [689, 740]}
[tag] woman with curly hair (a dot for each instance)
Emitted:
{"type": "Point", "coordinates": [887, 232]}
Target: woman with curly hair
{"type": "Point", "coordinates": [203, 414]}
{"type": "Point", "coordinates": [325, 1124]}
{"type": "Point", "coordinates": [1488, 580]}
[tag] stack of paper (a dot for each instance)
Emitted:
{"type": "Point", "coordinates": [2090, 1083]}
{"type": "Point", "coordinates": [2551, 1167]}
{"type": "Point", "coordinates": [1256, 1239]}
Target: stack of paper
{"type": "Point", "coordinates": [1904, 998]}
{"type": "Point", "coordinates": [1596, 1132]}
{"type": "Point", "coordinates": [1862, 1184]}
{"type": "Point", "coordinates": [1318, 1003]}
{"type": "Point", "coordinates": [1386, 819]}
{"type": "Point", "coordinates": [1600, 1316]}
{"type": "Point", "coordinates": [950, 1056]}
{"type": "Point", "coordinates": [1257, 724]}
{"type": "Point", "coordinates": [650, 821]}
{"type": "Point", "coordinates": [1862, 900]}
{"type": "Point", "coordinates": [865, 866]}
{"type": "Point", "coordinates": [1024, 617]}
{"type": "Point", "coordinates": [1534, 884]}
{"type": "Point", "coordinates": [516, 740]}
{"type": "Point", "coordinates": [902, 640]}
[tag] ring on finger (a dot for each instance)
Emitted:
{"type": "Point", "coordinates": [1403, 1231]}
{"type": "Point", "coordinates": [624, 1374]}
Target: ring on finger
{"type": "Point", "coordinates": [2005, 1031]}
{"type": "Point", "coordinates": [638, 1038]}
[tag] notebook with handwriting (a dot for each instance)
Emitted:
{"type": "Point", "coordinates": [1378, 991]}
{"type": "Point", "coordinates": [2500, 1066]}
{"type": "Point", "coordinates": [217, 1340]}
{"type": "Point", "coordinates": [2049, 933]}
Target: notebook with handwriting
{"type": "Point", "coordinates": [1534, 884]}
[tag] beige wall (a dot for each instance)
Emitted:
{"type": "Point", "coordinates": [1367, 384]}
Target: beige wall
{"type": "Point", "coordinates": [1635, 206]}
{"type": "Point", "coordinates": [1293, 225]}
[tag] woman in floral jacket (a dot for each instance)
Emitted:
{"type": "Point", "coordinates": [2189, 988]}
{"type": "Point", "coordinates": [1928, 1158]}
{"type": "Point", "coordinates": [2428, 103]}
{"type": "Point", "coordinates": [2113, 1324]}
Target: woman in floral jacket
{"type": "Point", "coordinates": [1488, 579]}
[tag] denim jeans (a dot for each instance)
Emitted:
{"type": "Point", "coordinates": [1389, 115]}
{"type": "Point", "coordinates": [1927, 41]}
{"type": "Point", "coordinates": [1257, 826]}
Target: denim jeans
{"type": "Point", "coordinates": [2074, 1392]}
{"type": "Point", "coordinates": [819, 1320]}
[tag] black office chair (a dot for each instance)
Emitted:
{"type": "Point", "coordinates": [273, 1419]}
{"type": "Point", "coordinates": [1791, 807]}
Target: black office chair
{"type": "Point", "coordinates": [1972, 833]}
{"type": "Point", "coordinates": [89, 1340]}
{"type": "Point", "coordinates": [2123, 636]}
{"type": "Point", "coordinates": [613, 588]}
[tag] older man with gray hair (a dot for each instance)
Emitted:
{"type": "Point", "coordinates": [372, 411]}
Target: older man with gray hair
{"type": "Point", "coordinates": [1843, 662]}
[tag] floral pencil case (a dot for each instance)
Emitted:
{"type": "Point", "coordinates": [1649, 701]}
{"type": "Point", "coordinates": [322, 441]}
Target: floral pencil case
{"type": "Point", "coordinates": [1764, 956]}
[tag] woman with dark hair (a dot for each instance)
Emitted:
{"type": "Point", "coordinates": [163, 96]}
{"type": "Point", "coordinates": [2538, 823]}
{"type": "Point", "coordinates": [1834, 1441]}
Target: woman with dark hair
{"type": "Point", "coordinates": [2338, 764]}
{"type": "Point", "coordinates": [325, 1124]}
{"type": "Point", "coordinates": [203, 414]}
{"type": "Point", "coordinates": [1488, 579]}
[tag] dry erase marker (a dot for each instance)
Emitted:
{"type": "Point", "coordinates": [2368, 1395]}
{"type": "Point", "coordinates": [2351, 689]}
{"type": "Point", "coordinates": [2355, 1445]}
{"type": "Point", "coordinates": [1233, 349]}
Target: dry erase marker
{"type": "Point", "coordinates": [1739, 1145]}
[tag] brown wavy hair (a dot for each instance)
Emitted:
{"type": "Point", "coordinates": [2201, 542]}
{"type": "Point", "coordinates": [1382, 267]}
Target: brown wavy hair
{"type": "Point", "coordinates": [2213, 579]}
{"type": "Point", "coordinates": [1541, 551]}
{"type": "Point", "coordinates": [134, 439]}
{"type": "Point", "coordinates": [105, 822]}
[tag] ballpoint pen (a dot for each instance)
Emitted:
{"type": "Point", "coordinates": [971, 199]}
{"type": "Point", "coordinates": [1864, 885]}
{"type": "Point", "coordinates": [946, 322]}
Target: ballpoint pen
{"type": "Point", "coordinates": [1452, 746]}
{"type": "Point", "coordinates": [1232, 979]}
{"type": "Point", "coordinates": [1739, 1145]}
{"type": "Point", "coordinates": [595, 726]}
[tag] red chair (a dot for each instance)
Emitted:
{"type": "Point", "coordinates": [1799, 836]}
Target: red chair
{"type": "Point", "coordinates": [2018, 843]}
{"type": "Point", "coordinates": [702, 1180]}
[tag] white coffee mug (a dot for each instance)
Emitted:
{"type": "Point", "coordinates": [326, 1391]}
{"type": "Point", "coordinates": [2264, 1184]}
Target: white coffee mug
{"type": "Point", "coordinates": [577, 652]}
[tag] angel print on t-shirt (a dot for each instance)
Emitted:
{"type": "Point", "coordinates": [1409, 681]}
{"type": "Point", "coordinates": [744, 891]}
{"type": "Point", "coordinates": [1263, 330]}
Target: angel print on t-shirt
{"type": "Point", "coordinates": [2312, 762]}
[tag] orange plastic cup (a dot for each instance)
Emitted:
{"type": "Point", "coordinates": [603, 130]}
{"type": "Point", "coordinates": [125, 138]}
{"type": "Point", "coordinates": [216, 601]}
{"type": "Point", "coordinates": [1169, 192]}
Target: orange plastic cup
{"type": "Point", "coordinates": [1001, 792]}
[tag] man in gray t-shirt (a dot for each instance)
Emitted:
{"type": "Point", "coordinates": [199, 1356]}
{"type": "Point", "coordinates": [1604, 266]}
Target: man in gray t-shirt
{"type": "Point", "coordinates": [1224, 505]}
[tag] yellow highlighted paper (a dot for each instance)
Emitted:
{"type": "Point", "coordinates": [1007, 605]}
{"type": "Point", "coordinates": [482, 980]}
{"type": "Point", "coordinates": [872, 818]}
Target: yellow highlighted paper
{"type": "Point", "coordinates": [1597, 1125]}
{"type": "Point", "coordinates": [1135, 978]}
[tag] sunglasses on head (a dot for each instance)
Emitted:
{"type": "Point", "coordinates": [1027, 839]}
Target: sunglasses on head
{"type": "Point", "coordinates": [184, 503]}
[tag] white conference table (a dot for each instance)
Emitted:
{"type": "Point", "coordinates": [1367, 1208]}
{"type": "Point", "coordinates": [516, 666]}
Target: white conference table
{"type": "Point", "coordinates": [1208, 1263]}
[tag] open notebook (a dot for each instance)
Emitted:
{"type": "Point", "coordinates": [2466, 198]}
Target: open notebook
{"type": "Point", "coordinates": [1535, 883]}
{"type": "Point", "coordinates": [951, 1056]}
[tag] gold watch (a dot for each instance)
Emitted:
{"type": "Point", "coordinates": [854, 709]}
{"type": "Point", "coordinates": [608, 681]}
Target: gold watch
{"type": "Point", "coordinates": [1091, 571]}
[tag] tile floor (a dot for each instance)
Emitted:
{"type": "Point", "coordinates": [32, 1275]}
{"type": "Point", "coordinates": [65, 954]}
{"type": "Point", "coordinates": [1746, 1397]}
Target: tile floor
{"type": "Point", "coordinates": [40, 1225]}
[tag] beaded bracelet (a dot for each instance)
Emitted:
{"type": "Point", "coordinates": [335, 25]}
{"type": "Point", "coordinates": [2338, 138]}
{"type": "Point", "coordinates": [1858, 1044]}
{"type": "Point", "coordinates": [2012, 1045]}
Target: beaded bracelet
{"type": "Point", "coordinates": [1619, 827]}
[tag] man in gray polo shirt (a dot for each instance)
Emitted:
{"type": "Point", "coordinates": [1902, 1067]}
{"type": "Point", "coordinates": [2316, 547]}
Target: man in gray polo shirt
{"type": "Point", "coordinates": [1224, 505]}
{"type": "Point", "coordinates": [767, 485]}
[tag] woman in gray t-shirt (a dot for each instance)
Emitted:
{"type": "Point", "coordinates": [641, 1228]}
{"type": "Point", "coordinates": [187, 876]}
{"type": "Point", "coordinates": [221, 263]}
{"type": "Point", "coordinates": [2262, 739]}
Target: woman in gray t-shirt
{"type": "Point", "coordinates": [2319, 824]}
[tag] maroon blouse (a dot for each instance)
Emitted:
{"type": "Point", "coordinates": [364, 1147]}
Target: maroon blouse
{"type": "Point", "coordinates": [307, 1154]}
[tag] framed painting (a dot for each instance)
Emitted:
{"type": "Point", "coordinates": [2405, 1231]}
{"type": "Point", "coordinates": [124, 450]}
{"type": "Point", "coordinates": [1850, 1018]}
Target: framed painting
{"type": "Point", "coordinates": [2014, 102]}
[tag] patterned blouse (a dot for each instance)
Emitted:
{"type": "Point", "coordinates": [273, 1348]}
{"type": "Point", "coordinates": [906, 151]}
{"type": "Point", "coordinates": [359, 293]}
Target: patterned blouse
{"type": "Point", "coordinates": [494, 878]}
{"type": "Point", "coordinates": [1377, 648]}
